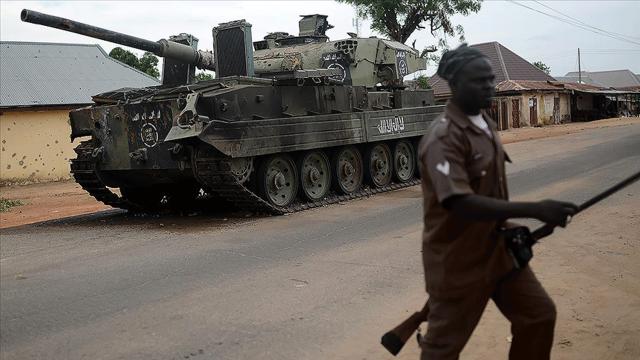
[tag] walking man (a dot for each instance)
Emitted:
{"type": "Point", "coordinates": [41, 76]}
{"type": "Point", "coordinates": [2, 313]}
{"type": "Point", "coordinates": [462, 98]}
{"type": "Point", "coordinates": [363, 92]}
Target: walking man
{"type": "Point", "coordinates": [465, 205]}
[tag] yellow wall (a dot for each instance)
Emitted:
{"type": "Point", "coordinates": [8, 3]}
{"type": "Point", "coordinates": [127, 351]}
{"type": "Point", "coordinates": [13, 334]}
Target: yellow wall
{"type": "Point", "coordinates": [35, 145]}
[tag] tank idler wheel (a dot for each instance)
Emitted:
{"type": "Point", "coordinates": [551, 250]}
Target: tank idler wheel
{"type": "Point", "coordinates": [378, 165]}
{"type": "Point", "coordinates": [404, 161]}
{"type": "Point", "coordinates": [348, 169]}
{"type": "Point", "coordinates": [278, 180]}
{"type": "Point", "coordinates": [315, 175]}
{"type": "Point", "coordinates": [242, 168]}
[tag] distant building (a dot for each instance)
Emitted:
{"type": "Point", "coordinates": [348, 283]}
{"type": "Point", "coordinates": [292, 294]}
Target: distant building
{"type": "Point", "coordinates": [616, 79]}
{"type": "Point", "coordinates": [506, 65]}
{"type": "Point", "coordinates": [536, 103]}
{"type": "Point", "coordinates": [39, 84]}
{"type": "Point", "coordinates": [530, 103]}
{"type": "Point", "coordinates": [527, 96]}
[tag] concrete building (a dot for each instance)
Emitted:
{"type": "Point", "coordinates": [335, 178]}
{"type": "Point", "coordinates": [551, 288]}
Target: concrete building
{"type": "Point", "coordinates": [535, 103]}
{"type": "Point", "coordinates": [39, 84]}
{"type": "Point", "coordinates": [521, 103]}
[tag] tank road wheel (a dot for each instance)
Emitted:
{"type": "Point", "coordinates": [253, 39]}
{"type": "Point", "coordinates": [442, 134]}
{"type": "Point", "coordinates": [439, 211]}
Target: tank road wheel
{"type": "Point", "coordinates": [348, 169]}
{"type": "Point", "coordinates": [378, 165]}
{"type": "Point", "coordinates": [404, 161]}
{"type": "Point", "coordinates": [278, 180]}
{"type": "Point", "coordinates": [315, 175]}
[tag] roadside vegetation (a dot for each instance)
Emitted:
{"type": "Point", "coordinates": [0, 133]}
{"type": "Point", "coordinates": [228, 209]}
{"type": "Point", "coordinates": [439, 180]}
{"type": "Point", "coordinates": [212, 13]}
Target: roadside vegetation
{"type": "Point", "coordinates": [6, 204]}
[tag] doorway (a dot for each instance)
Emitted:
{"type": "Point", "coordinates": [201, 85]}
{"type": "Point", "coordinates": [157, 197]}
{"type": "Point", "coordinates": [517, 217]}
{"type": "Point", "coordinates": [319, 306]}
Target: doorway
{"type": "Point", "coordinates": [533, 111]}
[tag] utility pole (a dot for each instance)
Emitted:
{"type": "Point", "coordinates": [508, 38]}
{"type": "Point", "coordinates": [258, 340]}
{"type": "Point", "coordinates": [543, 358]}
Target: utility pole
{"type": "Point", "coordinates": [579, 68]}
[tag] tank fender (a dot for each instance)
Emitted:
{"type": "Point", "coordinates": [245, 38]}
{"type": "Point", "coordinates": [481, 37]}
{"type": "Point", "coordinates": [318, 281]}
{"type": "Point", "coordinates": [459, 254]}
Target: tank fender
{"type": "Point", "coordinates": [81, 123]}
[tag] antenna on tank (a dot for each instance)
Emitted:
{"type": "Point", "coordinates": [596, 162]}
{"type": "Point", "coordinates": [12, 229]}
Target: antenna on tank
{"type": "Point", "coordinates": [356, 24]}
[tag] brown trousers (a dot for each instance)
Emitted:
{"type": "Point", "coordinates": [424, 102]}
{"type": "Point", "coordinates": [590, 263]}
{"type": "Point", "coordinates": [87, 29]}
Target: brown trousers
{"type": "Point", "coordinates": [520, 298]}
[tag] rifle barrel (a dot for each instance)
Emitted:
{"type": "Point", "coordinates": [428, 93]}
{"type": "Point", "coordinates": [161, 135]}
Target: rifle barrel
{"type": "Point", "coordinates": [619, 186]}
{"type": "Point", "coordinates": [546, 230]}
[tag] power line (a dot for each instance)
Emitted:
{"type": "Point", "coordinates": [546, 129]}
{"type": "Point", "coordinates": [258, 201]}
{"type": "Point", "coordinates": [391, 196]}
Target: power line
{"type": "Point", "coordinates": [585, 24]}
{"type": "Point", "coordinates": [576, 24]}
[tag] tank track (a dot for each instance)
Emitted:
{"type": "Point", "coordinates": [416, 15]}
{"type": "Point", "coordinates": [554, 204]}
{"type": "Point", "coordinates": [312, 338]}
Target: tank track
{"type": "Point", "coordinates": [215, 174]}
{"type": "Point", "coordinates": [83, 169]}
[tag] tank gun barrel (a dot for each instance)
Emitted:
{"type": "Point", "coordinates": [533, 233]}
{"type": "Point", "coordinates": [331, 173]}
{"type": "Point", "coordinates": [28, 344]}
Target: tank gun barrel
{"type": "Point", "coordinates": [163, 47]}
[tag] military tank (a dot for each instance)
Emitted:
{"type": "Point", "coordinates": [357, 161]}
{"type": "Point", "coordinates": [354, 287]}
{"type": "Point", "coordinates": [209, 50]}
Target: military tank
{"type": "Point", "coordinates": [290, 122]}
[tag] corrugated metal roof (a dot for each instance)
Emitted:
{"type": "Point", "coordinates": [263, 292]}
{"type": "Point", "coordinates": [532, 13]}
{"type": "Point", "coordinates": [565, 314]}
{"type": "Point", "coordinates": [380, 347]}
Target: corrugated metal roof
{"type": "Point", "coordinates": [523, 85]}
{"type": "Point", "coordinates": [611, 78]}
{"type": "Point", "coordinates": [559, 86]}
{"type": "Point", "coordinates": [46, 74]}
{"type": "Point", "coordinates": [506, 64]}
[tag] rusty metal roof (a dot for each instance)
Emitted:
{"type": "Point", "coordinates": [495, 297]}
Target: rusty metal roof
{"type": "Point", "coordinates": [506, 64]}
{"type": "Point", "coordinates": [49, 74]}
{"type": "Point", "coordinates": [507, 86]}
{"type": "Point", "coordinates": [524, 85]}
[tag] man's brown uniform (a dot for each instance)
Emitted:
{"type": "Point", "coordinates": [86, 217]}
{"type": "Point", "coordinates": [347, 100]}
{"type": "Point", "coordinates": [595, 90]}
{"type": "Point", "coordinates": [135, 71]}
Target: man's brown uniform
{"type": "Point", "coordinates": [464, 263]}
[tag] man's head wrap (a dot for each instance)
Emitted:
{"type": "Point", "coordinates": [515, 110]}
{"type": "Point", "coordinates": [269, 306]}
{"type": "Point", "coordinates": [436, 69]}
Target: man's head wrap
{"type": "Point", "coordinates": [453, 61]}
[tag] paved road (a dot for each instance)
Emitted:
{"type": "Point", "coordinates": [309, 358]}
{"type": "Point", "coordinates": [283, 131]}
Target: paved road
{"type": "Point", "coordinates": [303, 286]}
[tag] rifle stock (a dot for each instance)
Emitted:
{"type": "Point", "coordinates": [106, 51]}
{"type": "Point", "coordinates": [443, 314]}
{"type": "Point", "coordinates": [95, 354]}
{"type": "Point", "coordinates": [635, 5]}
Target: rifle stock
{"type": "Point", "coordinates": [395, 339]}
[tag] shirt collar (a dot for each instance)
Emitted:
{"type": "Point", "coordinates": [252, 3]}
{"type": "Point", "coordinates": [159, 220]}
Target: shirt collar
{"type": "Point", "coordinates": [456, 115]}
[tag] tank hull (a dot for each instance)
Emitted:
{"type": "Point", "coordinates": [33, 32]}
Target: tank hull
{"type": "Point", "coordinates": [219, 137]}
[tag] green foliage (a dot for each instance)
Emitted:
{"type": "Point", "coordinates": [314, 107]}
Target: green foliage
{"type": "Point", "coordinates": [398, 19]}
{"type": "Point", "coordinates": [6, 204]}
{"type": "Point", "coordinates": [423, 82]}
{"type": "Point", "coordinates": [125, 56]}
{"type": "Point", "coordinates": [148, 63]}
{"type": "Point", "coordinates": [542, 66]}
{"type": "Point", "coordinates": [203, 76]}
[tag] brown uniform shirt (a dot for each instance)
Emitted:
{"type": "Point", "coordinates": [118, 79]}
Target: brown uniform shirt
{"type": "Point", "coordinates": [456, 158]}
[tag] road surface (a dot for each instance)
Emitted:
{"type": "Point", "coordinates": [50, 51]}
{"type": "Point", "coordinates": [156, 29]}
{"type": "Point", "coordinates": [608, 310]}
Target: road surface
{"type": "Point", "coordinates": [320, 284]}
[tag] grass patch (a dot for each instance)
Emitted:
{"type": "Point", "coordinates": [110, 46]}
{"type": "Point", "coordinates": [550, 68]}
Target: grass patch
{"type": "Point", "coordinates": [6, 204]}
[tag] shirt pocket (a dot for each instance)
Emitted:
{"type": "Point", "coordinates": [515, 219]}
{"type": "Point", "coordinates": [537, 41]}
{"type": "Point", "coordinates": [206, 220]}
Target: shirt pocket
{"type": "Point", "coordinates": [480, 165]}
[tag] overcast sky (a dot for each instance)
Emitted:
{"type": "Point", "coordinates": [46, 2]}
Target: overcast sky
{"type": "Point", "coordinates": [530, 34]}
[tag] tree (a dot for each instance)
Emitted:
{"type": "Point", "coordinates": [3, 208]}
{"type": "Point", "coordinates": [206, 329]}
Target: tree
{"type": "Point", "coordinates": [147, 63]}
{"type": "Point", "coordinates": [125, 56]}
{"type": "Point", "coordinates": [398, 19]}
{"type": "Point", "coordinates": [542, 66]}
{"type": "Point", "coordinates": [422, 82]}
{"type": "Point", "coordinates": [203, 76]}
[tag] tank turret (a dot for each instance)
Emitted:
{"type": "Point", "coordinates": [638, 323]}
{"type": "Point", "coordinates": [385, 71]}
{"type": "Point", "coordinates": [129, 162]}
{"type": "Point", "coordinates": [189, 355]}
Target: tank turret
{"type": "Point", "coordinates": [363, 61]}
{"type": "Point", "coordinates": [180, 50]}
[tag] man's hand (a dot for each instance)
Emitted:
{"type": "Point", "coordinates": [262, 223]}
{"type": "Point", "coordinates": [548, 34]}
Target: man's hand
{"type": "Point", "coordinates": [555, 213]}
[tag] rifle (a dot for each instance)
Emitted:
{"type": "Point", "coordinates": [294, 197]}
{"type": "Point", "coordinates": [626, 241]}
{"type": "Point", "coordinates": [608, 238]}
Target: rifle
{"type": "Point", "coordinates": [395, 339]}
{"type": "Point", "coordinates": [519, 241]}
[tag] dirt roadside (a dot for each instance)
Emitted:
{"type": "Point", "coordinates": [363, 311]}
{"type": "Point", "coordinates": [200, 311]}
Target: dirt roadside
{"type": "Point", "coordinates": [47, 201]}
{"type": "Point", "coordinates": [589, 269]}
